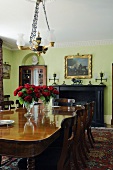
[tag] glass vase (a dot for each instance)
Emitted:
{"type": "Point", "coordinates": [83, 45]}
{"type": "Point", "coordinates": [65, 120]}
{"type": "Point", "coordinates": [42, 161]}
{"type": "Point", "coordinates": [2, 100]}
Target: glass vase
{"type": "Point", "coordinates": [46, 107]}
{"type": "Point", "coordinates": [28, 106]}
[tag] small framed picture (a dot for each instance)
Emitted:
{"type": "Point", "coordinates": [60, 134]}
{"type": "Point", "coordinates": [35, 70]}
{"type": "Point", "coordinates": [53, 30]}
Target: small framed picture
{"type": "Point", "coordinates": [6, 71]}
{"type": "Point", "coordinates": [78, 66]}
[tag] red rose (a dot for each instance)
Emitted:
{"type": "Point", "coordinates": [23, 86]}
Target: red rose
{"type": "Point", "coordinates": [51, 88]}
{"type": "Point", "coordinates": [28, 99]}
{"type": "Point", "coordinates": [20, 94]}
{"type": "Point", "coordinates": [36, 90]}
{"type": "Point", "coordinates": [33, 86]}
{"type": "Point", "coordinates": [27, 86]}
{"type": "Point", "coordinates": [15, 92]}
{"type": "Point", "coordinates": [29, 91]}
{"type": "Point", "coordinates": [55, 91]}
{"type": "Point", "coordinates": [44, 87]}
{"type": "Point", "coordinates": [46, 93]}
{"type": "Point", "coordinates": [20, 88]}
{"type": "Point", "coordinates": [37, 95]}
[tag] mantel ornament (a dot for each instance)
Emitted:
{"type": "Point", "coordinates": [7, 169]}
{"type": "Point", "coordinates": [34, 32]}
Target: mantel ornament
{"type": "Point", "coordinates": [77, 81]}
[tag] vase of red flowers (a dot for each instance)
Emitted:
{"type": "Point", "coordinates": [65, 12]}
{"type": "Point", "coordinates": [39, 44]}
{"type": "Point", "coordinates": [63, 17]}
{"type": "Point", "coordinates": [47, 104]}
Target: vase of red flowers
{"type": "Point", "coordinates": [46, 94]}
{"type": "Point", "coordinates": [27, 95]}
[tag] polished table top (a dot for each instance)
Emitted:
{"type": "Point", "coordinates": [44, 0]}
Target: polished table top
{"type": "Point", "coordinates": [21, 140]}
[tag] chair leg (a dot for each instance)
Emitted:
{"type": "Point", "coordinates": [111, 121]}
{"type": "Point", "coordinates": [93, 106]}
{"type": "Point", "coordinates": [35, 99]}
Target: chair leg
{"type": "Point", "coordinates": [91, 135]}
{"type": "Point", "coordinates": [75, 158]}
{"type": "Point", "coordinates": [81, 157]}
{"type": "Point", "coordinates": [68, 166]}
{"type": "Point", "coordinates": [83, 150]}
{"type": "Point", "coordinates": [85, 144]}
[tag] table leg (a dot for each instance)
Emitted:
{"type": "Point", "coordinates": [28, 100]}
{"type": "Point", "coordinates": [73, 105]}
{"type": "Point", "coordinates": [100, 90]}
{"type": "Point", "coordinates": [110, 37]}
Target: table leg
{"type": "Point", "coordinates": [31, 163]}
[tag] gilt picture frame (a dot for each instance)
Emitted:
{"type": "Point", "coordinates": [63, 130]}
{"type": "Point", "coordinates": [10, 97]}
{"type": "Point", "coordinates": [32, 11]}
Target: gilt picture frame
{"type": "Point", "coordinates": [78, 66]}
{"type": "Point", "coordinates": [6, 71]}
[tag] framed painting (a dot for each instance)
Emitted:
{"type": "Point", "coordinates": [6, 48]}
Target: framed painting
{"type": "Point", "coordinates": [6, 71]}
{"type": "Point", "coordinates": [78, 66]}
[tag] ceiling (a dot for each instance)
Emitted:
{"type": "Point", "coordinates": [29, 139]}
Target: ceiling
{"type": "Point", "coordinates": [75, 22]}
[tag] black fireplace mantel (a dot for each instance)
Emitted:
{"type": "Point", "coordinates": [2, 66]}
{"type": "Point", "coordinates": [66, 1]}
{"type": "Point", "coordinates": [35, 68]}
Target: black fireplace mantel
{"type": "Point", "coordinates": [86, 93]}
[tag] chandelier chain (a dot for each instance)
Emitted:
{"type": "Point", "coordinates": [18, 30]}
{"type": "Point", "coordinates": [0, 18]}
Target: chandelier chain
{"type": "Point", "coordinates": [45, 15]}
{"type": "Point", "coordinates": [34, 25]}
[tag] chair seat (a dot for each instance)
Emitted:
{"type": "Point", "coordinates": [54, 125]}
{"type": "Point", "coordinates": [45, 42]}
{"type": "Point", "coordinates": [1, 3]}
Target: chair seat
{"type": "Point", "coordinates": [48, 159]}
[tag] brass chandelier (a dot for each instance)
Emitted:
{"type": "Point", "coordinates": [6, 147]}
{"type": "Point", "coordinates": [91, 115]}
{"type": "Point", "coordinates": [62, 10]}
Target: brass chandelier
{"type": "Point", "coordinates": [35, 40]}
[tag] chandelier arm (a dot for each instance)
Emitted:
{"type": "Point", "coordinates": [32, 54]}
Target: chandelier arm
{"type": "Point", "coordinates": [24, 48]}
{"type": "Point", "coordinates": [34, 25]}
{"type": "Point", "coordinates": [45, 14]}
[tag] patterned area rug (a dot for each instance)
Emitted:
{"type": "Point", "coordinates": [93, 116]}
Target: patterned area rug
{"type": "Point", "coordinates": [9, 163]}
{"type": "Point", "coordinates": [100, 158]}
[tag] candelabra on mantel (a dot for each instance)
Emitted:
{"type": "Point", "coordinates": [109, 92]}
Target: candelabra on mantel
{"type": "Point", "coordinates": [101, 78]}
{"type": "Point", "coordinates": [54, 79]}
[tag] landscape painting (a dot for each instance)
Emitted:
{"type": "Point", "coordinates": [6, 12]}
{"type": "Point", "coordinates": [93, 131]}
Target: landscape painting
{"type": "Point", "coordinates": [78, 66]}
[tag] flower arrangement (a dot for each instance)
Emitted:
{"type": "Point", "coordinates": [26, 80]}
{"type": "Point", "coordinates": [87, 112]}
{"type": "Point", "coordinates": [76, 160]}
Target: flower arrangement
{"type": "Point", "coordinates": [47, 92]}
{"type": "Point", "coordinates": [28, 94]}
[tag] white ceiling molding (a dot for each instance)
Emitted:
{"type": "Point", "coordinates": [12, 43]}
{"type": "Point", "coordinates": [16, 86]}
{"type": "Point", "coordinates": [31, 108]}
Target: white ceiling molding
{"type": "Point", "coordinates": [84, 43]}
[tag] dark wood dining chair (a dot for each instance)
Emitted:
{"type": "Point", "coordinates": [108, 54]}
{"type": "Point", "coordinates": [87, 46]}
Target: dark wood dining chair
{"type": "Point", "coordinates": [6, 105]}
{"type": "Point", "coordinates": [89, 123]}
{"type": "Point", "coordinates": [17, 104]}
{"type": "Point", "coordinates": [6, 97]}
{"type": "Point", "coordinates": [54, 158]}
{"type": "Point", "coordinates": [79, 147]}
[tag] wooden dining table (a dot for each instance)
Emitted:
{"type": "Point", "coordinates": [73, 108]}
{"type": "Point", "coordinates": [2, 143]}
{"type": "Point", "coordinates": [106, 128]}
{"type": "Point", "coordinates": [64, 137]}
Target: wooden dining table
{"type": "Point", "coordinates": [24, 138]}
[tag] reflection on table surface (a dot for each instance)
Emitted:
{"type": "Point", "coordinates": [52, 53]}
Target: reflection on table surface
{"type": "Point", "coordinates": [41, 125]}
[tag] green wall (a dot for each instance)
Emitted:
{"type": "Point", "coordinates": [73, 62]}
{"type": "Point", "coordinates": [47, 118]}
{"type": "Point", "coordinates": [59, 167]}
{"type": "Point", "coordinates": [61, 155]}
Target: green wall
{"type": "Point", "coordinates": [7, 83]}
{"type": "Point", "coordinates": [102, 59]}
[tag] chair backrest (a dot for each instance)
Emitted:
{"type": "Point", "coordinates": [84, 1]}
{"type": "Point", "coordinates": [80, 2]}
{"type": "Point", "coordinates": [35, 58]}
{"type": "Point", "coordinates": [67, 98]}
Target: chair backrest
{"type": "Point", "coordinates": [6, 105]}
{"type": "Point", "coordinates": [6, 97]}
{"type": "Point", "coordinates": [77, 136]}
{"type": "Point", "coordinates": [67, 124]}
{"type": "Point", "coordinates": [92, 106]}
{"type": "Point", "coordinates": [90, 111]}
{"type": "Point", "coordinates": [77, 128]}
{"type": "Point", "coordinates": [18, 105]}
{"type": "Point", "coordinates": [64, 102]}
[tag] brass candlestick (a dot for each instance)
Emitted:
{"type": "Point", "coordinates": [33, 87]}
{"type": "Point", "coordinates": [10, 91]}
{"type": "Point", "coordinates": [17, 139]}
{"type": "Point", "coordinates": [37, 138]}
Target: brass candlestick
{"type": "Point", "coordinates": [54, 79]}
{"type": "Point", "coordinates": [101, 78]}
